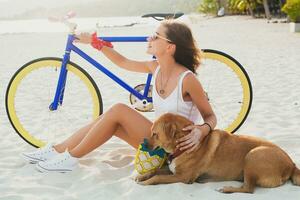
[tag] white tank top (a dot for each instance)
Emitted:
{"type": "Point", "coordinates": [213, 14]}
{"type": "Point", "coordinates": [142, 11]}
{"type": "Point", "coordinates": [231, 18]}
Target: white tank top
{"type": "Point", "coordinates": [174, 103]}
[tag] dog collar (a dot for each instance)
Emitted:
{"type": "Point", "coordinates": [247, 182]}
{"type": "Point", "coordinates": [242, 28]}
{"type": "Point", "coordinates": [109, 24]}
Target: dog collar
{"type": "Point", "coordinates": [172, 156]}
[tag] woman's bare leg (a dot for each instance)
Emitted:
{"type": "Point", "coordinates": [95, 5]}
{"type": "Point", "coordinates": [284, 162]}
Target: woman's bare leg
{"type": "Point", "coordinates": [76, 138]}
{"type": "Point", "coordinates": [121, 121]}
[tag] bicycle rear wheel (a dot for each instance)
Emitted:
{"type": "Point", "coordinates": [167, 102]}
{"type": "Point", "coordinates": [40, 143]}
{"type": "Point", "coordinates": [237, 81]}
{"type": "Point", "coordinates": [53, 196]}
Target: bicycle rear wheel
{"type": "Point", "coordinates": [30, 94]}
{"type": "Point", "coordinates": [228, 89]}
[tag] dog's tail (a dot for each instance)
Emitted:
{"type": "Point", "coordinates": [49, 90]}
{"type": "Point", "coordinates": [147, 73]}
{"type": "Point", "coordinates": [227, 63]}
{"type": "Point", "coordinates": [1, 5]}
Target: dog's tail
{"type": "Point", "coordinates": [296, 176]}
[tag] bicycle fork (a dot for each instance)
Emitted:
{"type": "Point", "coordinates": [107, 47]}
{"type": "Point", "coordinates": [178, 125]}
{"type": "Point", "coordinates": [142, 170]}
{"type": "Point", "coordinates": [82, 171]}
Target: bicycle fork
{"type": "Point", "coordinates": [60, 89]}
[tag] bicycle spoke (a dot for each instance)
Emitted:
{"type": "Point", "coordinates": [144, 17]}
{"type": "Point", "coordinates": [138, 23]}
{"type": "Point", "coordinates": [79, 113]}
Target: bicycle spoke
{"type": "Point", "coordinates": [224, 83]}
{"type": "Point", "coordinates": [35, 93]}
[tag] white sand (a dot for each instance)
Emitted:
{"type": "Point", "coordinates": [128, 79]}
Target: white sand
{"type": "Point", "coordinates": [269, 53]}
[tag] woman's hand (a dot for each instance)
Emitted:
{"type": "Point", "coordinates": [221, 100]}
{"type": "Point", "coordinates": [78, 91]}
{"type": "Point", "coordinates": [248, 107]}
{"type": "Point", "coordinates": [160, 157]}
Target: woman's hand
{"type": "Point", "coordinates": [85, 38]}
{"type": "Point", "coordinates": [191, 141]}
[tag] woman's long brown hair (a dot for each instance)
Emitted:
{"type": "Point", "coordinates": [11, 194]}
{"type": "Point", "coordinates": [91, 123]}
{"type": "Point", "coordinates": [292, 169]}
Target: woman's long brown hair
{"type": "Point", "coordinates": [187, 53]}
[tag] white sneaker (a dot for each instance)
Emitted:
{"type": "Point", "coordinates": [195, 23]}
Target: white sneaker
{"type": "Point", "coordinates": [63, 162]}
{"type": "Point", "coordinates": [42, 154]}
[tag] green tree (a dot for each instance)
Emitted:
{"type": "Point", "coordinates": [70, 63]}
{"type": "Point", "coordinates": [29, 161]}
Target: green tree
{"type": "Point", "coordinates": [292, 9]}
{"type": "Point", "coordinates": [209, 7]}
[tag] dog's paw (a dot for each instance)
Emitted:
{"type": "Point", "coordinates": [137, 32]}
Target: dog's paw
{"type": "Point", "coordinates": [142, 183]}
{"type": "Point", "coordinates": [225, 190]}
{"type": "Point", "coordinates": [219, 190]}
{"type": "Point", "coordinates": [138, 178]}
{"type": "Point", "coordinates": [150, 181]}
{"type": "Point", "coordinates": [143, 177]}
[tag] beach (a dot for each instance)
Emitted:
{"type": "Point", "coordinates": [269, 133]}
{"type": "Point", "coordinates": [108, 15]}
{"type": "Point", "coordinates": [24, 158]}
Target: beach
{"type": "Point", "coordinates": [268, 51]}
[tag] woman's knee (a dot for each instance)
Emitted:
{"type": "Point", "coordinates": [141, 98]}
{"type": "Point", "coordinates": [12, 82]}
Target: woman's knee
{"type": "Point", "coordinates": [119, 108]}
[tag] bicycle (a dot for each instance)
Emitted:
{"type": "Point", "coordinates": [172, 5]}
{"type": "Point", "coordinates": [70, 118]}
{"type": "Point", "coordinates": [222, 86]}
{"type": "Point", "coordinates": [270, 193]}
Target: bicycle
{"type": "Point", "coordinates": [225, 81]}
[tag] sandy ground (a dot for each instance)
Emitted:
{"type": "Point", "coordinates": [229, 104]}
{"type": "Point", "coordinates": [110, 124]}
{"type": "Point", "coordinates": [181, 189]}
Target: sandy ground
{"type": "Point", "coordinates": [270, 55]}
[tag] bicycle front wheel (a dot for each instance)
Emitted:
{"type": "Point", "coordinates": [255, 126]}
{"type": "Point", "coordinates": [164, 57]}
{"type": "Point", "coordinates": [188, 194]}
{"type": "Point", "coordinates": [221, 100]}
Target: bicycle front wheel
{"type": "Point", "coordinates": [31, 91]}
{"type": "Point", "coordinates": [228, 89]}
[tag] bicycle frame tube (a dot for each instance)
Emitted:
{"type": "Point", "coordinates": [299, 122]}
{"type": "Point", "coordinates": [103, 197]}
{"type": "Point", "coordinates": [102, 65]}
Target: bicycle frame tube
{"type": "Point", "coordinates": [58, 98]}
{"type": "Point", "coordinates": [71, 47]}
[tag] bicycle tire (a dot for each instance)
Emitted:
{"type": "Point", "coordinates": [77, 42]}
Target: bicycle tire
{"type": "Point", "coordinates": [231, 70]}
{"type": "Point", "coordinates": [37, 66]}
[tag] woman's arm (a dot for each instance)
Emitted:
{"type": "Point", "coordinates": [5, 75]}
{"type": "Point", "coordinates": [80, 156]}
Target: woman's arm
{"type": "Point", "coordinates": [118, 59]}
{"type": "Point", "coordinates": [131, 65]}
{"type": "Point", "coordinates": [194, 88]}
{"type": "Point", "coordinates": [191, 141]}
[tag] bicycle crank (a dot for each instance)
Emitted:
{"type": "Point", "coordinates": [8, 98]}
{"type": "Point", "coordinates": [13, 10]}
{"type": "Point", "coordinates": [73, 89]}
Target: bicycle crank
{"type": "Point", "coordinates": [141, 105]}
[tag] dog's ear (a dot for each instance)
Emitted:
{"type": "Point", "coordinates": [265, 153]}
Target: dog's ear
{"type": "Point", "coordinates": [170, 129]}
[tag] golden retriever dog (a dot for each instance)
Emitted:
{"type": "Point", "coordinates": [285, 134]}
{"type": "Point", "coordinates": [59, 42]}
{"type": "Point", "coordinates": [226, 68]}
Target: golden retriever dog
{"type": "Point", "coordinates": [220, 157]}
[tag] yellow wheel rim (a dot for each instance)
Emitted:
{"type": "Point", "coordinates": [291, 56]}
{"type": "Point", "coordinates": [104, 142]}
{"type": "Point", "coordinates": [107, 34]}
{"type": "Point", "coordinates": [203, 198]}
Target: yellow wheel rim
{"type": "Point", "coordinates": [245, 87]}
{"type": "Point", "coordinates": [17, 81]}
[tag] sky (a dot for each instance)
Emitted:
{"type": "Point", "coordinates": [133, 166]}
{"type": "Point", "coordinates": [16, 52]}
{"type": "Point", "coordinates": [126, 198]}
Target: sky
{"type": "Point", "coordinates": [30, 9]}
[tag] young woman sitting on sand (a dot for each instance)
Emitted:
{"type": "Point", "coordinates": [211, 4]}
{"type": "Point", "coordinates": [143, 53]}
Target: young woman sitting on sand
{"type": "Point", "coordinates": [176, 90]}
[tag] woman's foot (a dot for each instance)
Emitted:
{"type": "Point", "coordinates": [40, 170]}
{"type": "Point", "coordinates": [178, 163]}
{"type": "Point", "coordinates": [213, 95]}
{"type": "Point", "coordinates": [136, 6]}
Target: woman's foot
{"type": "Point", "coordinates": [63, 162]}
{"type": "Point", "coordinates": [42, 154]}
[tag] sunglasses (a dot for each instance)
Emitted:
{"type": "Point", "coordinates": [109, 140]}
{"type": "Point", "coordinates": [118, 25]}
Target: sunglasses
{"type": "Point", "coordinates": [155, 36]}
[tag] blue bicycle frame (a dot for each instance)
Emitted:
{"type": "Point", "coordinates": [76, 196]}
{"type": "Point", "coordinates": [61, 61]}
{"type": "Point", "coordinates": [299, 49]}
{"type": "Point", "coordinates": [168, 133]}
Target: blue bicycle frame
{"type": "Point", "coordinates": [59, 94]}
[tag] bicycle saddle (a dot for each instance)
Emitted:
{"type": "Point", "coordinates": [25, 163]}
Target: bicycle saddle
{"type": "Point", "coordinates": [162, 16]}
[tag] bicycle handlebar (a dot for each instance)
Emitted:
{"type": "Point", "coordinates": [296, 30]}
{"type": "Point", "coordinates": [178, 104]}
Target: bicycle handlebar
{"type": "Point", "coordinates": [162, 16]}
{"type": "Point", "coordinates": [65, 20]}
{"type": "Point", "coordinates": [72, 26]}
